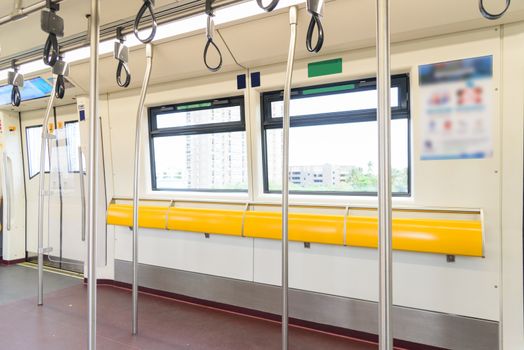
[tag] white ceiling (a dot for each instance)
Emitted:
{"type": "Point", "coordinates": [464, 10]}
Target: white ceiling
{"type": "Point", "coordinates": [264, 39]}
{"type": "Point", "coordinates": [26, 34]}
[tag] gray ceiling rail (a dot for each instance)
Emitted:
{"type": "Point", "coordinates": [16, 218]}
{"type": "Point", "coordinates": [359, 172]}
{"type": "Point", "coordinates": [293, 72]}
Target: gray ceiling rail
{"type": "Point", "coordinates": [165, 14]}
{"type": "Point", "coordinates": [20, 12]}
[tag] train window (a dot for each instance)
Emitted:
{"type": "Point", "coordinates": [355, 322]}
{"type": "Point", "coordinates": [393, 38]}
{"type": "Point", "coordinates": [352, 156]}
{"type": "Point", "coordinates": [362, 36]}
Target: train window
{"type": "Point", "coordinates": [72, 129]}
{"type": "Point", "coordinates": [199, 146]}
{"type": "Point", "coordinates": [33, 137]}
{"type": "Point", "coordinates": [333, 139]}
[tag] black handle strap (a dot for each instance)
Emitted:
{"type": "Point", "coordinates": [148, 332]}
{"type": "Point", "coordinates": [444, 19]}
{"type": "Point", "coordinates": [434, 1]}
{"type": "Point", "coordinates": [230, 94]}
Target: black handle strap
{"type": "Point", "coordinates": [316, 21]}
{"type": "Point", "coordinates": [122, 66]}
{"type": "Point", "coordinates": [270, 7]}
{"type": "Point", "coordinates": [492, 16]}
{"type": "Point", "coordinates": [60, 87]}
{"type": "Point", "coordinates": [206, 49]}
{"type": "Point", "coordinates": [52, 6]}
{"type": "Point", "coordinates": [147, 6]}
{"type": "Point", "coordinates": [210, 42]}
{"type": "Point", "coordinates": [16, 98]}
{"type": "Point", "coordinates": [51, 50]}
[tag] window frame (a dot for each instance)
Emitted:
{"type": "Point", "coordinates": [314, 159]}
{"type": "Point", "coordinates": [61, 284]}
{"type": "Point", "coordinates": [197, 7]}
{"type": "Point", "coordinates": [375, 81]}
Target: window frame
{"type": "Point", "coordinates": [198, 129]}
{"type": "Point", "coordinates": [29, 158]}
{"type": "Point", "coordinates": [402, 111]}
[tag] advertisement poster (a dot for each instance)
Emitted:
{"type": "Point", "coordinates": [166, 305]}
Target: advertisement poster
{"type": "Point", "coordinates": [456, 109]}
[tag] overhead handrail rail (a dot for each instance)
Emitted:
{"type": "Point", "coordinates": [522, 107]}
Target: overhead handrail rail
{"type": "Point", "coordinates": [285, 174]}
{"type": "Point", "coordinates": [41, 194]}
{"type": "Point", "coordinates": [16, 80]}
{"type": "Point", "coordinates": [143, 93]}
{"type": "Point", "coordinates": [52, 24]}
{"type": "Point", "coordinates": [61, 71]}
{"type": "Point", "coordinates": [269, 7]}
{"type": "Point", "coordinates": [22, 12]}
{"type": "Point", "coordinates": [166, 14]}
{"type": "Point", "coordinates": [121, 53]}
{"type": "Point", "coordinates": [149, 5]}
{"type": "Point", "coordinates": [316, 9]}
{"type": "Point", "coordinates": [210, 32]}
{"type": "Point", "coordinates": [493, 16]}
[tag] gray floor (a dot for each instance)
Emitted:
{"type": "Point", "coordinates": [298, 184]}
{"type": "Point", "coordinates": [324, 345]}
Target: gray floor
{"type": "Point", "coordinates": [20, 282]}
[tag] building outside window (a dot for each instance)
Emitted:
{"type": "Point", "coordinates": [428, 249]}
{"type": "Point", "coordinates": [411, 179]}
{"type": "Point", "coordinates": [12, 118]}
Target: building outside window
{"type": "Point", "coordinates": [334, 138]}
{"type": "Point", "coordinates": [199, 146]}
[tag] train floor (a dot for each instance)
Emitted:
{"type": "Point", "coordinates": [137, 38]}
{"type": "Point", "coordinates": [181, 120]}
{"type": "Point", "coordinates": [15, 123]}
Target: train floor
{"type": "Point", "coordinates": [163, 323]}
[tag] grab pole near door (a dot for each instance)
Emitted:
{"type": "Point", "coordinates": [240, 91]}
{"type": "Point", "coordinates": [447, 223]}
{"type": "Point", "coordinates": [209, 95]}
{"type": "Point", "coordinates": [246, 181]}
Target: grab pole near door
{"type": "Point", "coordinates": [136, 189]}
{"type": "Point", "coordinates": [285, 175]}
{"type": "Point", "coordinates": [384, 175]}
{"type": "Point", "coordinates": [92, 171]}
{"type": "Point", "coordinates": [41, 193]}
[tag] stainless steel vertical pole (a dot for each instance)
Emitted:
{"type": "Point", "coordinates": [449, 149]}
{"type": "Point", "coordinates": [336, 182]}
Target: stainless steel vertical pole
{"type": "Point", "coordinates": [41, 194]}
{"type": "Point", "coordinates": [384, 176]}
{"type": "Point", "coordinates": [92, 189]}
{"type": "Point", "coordinates": [143, 93]}
{"type": "Point", "coordinates": [285, 174]}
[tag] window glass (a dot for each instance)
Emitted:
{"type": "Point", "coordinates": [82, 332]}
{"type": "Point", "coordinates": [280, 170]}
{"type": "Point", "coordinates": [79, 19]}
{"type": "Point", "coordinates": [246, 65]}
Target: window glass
{"type": "Point", "coordinates": [206, 161]}
{"type": "Point", "coordinates": [33, 142]}
{"type": "Point", "coordinates": [334, 139]}
{"type": "Point", "coordinates": [72, 130]}
{"type": "Point", "coordinates": [200, 148]}
{"type": "Point", "coordinates": [342, 158]}
{"type": "Point", "coordinates": [333, 103]}
{"type": "Point", "coordinates": [198, 117]}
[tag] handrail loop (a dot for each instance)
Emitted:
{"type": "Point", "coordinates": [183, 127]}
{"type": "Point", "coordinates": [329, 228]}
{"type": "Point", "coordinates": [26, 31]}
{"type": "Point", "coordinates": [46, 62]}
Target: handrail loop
{"type": "Point", "coordinates": [53, 25]}
{"type": "Point", "coordinates": [492, 16]}
{"type": "Point", "coordinates": [270, 7]}
{"type": "Point", "coordinates": [15, 79]}
{"type": "Point", "coordinates": [210, 31]}
{"type": "Point", "coordinates": [316, 9]}
{"type": "Point", "coordinates": [121, 53]}
{"type": "Point", "coordinates": [149, 5]}
{"type": "Point", "coordinates": [61, 70]}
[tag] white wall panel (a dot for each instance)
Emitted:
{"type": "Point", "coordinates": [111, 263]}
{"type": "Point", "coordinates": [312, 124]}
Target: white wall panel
{"type": "Point", "coordinates": [218, 255]}
{"type": "Point", "coordinates": [469, 287]}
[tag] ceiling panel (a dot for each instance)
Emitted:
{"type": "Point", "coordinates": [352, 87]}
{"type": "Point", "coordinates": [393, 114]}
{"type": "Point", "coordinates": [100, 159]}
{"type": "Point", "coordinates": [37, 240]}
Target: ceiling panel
{"type": "Point", "coordinates": [264, 39]}
{"type": "Point", "coordinates": [25, 34]}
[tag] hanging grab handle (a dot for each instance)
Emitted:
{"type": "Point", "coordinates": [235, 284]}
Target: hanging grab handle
{"type": "Point", "coordinates": [61, 70]}
{"type": "Point", "coordinates": [16, 98]}
{"type": "Point", "coordinates": [15, 79]}
{"type": "Point", "coordinates": [53, 25]}
{"type": "Point", "coordinates": [149, 5]}
{"type": "Point", "coordinates": [270, 7]}
{"type": "Point", "coordinates": [121, 53]}
{"type": "Point", "coordinates": [316, 9]}
{"type": "Point", "coordinates": [60, 87]}
{"type": "Point", "coordinates": [51, 50]}
{"type": "Point", "coordinates": [492, 16]}
{"type": "Point", "coordinates": [210, 31]}
{"type": "Point", "coordinates": [123, 67]}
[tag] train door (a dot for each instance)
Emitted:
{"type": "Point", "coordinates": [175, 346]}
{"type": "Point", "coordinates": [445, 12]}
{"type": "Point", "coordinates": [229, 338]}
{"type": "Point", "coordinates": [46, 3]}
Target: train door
{"type": "Point", "coordinates": [64, 240]}
{"type": "Point", "coordinates": [12, 199]}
